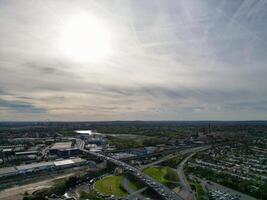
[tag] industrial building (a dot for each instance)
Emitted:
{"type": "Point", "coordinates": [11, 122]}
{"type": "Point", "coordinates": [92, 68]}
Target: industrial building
{"type": "Point", "coordinates": [35, 167]}
{"type": "Point", "coordinates": [11, 154]}
{"type": "Point", "coordinates": [98, 140]}
{"type": "Point", "coordinates": [63, 150]}
{"type": "Point", "coordinates": [7, 171]}
{"type": "Point", "coordinates": [26, 155]}
{"type": "Point", "coordinates": [60, 146]}
{"type": "Point", "coordinates": [69, 163]}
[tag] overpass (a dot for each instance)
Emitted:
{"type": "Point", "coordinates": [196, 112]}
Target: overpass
{"type": "Point", "coordinates": [163, 191]}
{"type": "Point", "coordinates": [182, 151]}
{"type": "Point", "coordinates": [165, 152]}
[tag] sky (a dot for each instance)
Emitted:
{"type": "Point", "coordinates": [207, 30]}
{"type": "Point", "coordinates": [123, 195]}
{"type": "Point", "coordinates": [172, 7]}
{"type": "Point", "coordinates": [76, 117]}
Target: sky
{"type": "Point", "coordinates": [133, 60]}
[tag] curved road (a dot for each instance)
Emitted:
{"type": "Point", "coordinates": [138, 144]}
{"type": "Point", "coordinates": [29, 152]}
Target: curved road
{"type": "Point", "coordinates": [163, 191]}
{"type": "Point", "coordinates": [186, 192]}
{"type": "Point", "coordinates": [133, 194]}
{"type": "Point", "coordinates": [168, 157]}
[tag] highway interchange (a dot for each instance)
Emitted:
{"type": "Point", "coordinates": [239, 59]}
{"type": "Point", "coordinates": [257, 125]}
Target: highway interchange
{"type": "Point", "coordinates": [163, 191]}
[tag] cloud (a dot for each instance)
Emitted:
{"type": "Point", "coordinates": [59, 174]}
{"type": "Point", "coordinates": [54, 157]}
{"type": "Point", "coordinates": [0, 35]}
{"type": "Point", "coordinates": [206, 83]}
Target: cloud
{"type": "Point", "coordinates": [173, 60]}
{"type": "Point", "coordinates": [21, 107]}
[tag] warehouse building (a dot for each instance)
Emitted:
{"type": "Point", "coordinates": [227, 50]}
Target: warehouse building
{"type": "Point", "coordinates": [69, 163]}
{"type": "Point", "coordinates": [26, 153]}
{"type": "Point", "coordinates": [35, 167]}
{"type": "Point", "coordinates": [58, 146]}
{"type": "Point", "coordinates": [63, 150]}
{"type": "Point", "coordinates": [7, 171]}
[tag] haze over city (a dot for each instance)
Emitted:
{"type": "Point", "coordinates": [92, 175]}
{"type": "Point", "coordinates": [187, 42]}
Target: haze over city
{"type": "Point", "coordinates": [133, 60]}
{"type": "Point", "coordinates": [133, 100]}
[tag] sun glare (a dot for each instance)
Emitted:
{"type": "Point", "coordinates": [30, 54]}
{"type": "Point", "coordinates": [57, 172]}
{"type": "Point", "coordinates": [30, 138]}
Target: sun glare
{"type": "Point", "coordinates": [85, 38]}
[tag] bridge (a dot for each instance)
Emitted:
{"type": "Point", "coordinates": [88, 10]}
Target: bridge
{"type": "Point", "coordinates": [136, 194]}
{"type": "Point", "coordinates": [163, 191]}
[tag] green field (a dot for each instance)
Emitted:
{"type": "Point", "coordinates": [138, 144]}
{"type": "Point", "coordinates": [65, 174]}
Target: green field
{"type": "Point", "coordinates": [134, 183]}
{"type": "Point", "coordinates": [200, 192]}
{"type": "Point", "coordinates": [89, 195]}
{"type": "Point", "coordinates": [110, 185]}
{"type": "Point", "coordinates": [164, 175]}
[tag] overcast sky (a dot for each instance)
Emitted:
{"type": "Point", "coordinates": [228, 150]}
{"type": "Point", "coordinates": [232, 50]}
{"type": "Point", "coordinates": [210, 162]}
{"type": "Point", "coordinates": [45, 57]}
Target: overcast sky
{"type": "Point", "coordinates": [170, 60]}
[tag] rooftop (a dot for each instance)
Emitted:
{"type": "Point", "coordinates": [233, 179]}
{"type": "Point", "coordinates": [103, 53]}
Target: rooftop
{"type": "Point", "coordinates": [7, 170]}
{"type": "Point", "coordinates": [77, 160]}
{"type": "Point", "coordinates": [26, 152]}
{"type": "Point", "coordinates": [7, 150]}
{"type": "Point", "coordinates": [62, 145]}
{"type": "Point", "coordinates": [68, 161]}
{"type": "Point", "coordinates": [63, 162]}
{"type": "Point", "coordinates": [34, 165]}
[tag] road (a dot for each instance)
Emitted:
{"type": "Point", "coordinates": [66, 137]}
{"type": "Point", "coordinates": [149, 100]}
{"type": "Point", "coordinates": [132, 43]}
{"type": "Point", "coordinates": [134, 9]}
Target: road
{"type": "Point", "coordinates": [16, 193]}
{"type": "Point", "coordinates": [215, 186]}
{"type": "Point", "coordinates": [195, 149]}
{"type": "Point", "coordinates": [80, 144]}
{"type": "Point", "coordinates": [44, 151]}
{"type": "Point", "coordinates": [133, 194]}
{"type": "Point", "coordinates": [163, 191]}
{"type": "Point", "coordinates": [186, 192]}
{"type": "Point", "coordinates": [158, 161]}
{"type": "Point", "coordinates": [182, 152]}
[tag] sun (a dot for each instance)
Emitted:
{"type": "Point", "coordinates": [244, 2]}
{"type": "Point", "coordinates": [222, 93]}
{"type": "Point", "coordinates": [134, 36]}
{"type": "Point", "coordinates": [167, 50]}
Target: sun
{"type": "Point", "coordinates": [85, 38]}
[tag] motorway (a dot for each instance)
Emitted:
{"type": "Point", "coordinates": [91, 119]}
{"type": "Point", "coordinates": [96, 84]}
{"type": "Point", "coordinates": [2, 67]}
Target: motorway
{"type": "Point", "coordinates": [163, 191]}
{"type": "Point", "coordinates": [133, 194]}
{"type": "Point", "coordinates": [187, 192]}
{"type": "Point", "coordinates": [170, 156]}
{"type": "Point", "coordinates": [158, 161]}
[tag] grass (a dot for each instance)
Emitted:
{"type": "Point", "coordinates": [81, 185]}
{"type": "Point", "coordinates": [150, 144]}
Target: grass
{"type": "Point", "coordinates": [157, 173]}
{"type": "Point", "coordinates": [164, 175]}
{"type": "Point", "coordinates": [110, 185]}
{"type": "Point", "coordinates": [89, 195]}
{"type": "Point", "coordinates": [134, 183]}
{"type": "Point", "coordinates": [68, 133]}
{"type": "Point", "coordinates": [173, 162]}
{"type": "Point", "coordinates": [200, 192]}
